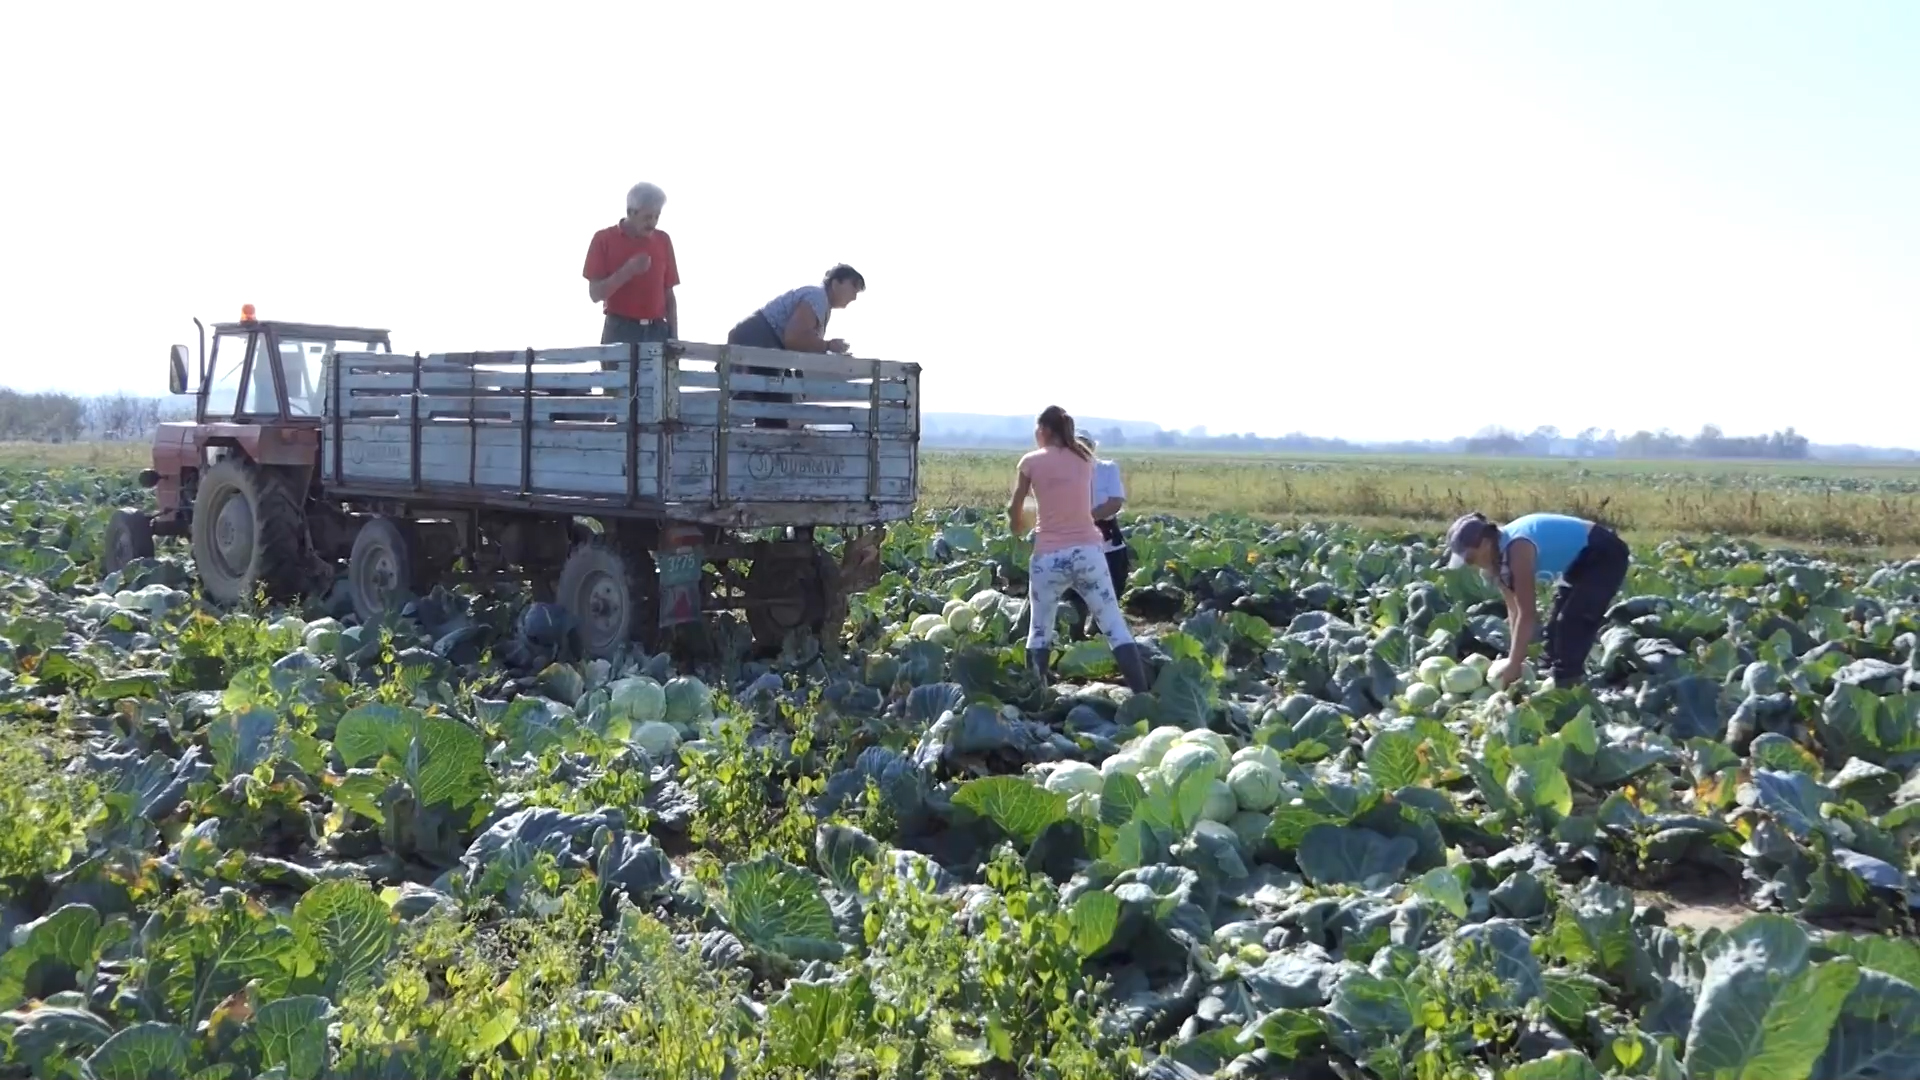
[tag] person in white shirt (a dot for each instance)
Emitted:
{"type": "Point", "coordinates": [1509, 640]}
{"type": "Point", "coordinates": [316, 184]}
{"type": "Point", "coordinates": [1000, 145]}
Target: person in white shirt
{"type": "Point", "coordinates": [1109, 498]}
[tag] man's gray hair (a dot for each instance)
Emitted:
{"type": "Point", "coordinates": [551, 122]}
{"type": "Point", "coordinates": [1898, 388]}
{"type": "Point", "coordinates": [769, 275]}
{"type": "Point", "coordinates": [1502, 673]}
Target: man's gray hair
{"type": "Point", "coordinates": [644, 196]}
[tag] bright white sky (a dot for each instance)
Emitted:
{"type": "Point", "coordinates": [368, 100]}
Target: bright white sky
{"type": "Point", "coordinates": [1344, 218]}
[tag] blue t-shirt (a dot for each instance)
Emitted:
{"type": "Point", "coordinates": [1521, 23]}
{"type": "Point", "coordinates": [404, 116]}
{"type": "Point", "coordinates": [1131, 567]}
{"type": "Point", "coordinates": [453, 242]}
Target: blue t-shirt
{"type": "Point", "coordinates": [781, 307]}
{"type": "Point", "coordinates": [1557, 540]}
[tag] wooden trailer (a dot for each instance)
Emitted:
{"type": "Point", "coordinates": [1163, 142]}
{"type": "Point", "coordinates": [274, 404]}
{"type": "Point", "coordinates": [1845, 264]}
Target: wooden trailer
{"type": "Point", "coordinates": [610, 475]}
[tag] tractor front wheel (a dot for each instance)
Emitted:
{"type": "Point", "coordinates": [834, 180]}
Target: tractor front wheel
{"type": "Point", "coordinates": [129, 537]}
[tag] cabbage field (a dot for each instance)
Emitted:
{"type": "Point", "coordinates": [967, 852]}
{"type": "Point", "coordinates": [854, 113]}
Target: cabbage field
{"type": "Point", "coordinates": [278, 844]}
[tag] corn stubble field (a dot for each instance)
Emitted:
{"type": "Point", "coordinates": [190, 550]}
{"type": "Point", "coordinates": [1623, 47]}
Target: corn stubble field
{"type": "Point", "coordinates": [277, 844]}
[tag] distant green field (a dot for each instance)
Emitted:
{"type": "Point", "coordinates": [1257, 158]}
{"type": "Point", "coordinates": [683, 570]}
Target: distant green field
{"type": "Point", "coordinates": [1800, 502]}
{"type": "Point", "coordinates": [1803, 503]}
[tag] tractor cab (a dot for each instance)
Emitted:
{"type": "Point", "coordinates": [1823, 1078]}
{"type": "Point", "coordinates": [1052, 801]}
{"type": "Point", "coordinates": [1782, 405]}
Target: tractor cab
{"type": "Point", "coordinates": [265, 371]}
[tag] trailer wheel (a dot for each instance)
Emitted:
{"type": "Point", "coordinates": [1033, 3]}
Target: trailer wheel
{"type": "Point", "coordinates": [247, 525]}
{"type": "Point", "coordinates": [381, 568]}
{"type": "Point", "coordinates": [129, 537]}
{"type": "Point", "coordinates": [784, 594]}
{"type": "Point", "coordinates": [596, 589]}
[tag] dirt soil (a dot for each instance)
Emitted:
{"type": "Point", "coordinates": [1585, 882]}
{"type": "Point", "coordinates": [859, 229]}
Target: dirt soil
{"type": "Point", "coordinates": [1703, 902]}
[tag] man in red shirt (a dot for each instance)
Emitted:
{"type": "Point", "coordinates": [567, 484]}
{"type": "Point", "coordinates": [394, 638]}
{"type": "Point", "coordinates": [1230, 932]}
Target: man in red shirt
{"type": "Point", "coordinates": [631, 272]}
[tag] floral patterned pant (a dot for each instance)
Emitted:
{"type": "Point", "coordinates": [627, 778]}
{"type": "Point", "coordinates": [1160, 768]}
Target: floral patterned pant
{"type": "Point", "coordinates": [1082, 569]}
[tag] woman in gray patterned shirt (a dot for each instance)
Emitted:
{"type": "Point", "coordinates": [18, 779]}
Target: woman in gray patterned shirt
{"type": "Point", "coordinates": [795, 321]}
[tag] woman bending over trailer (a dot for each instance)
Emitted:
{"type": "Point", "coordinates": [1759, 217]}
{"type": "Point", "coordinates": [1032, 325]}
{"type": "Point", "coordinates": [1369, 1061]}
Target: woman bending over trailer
{"type": "Point", "coordinates": [1590, 560]}
{"type": "Point", "coordinates": [1067, 546]}
{"type": "Point", "coordinates": [797, 322]}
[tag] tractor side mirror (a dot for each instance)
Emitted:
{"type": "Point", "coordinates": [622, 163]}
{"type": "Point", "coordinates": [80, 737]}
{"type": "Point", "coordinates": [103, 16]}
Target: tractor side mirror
{"type": "Point", "coordinates": [177, 370]}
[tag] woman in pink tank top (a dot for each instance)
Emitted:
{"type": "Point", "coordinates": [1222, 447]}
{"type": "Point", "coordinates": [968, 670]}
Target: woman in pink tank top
{"type": "Point", "coordinates": [1067, 547]}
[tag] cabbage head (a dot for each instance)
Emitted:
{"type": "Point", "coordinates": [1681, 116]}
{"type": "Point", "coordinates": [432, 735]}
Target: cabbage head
{"type": "Point", "coordinates": [1208, 738]}
{"type": "Point", "coordinates": [1262, 753]}
{"type": "Point", "coordinates": [1761, 678]}
{"type": "Point", "coordinates": [1186, 759]}
{"type": "Point", "coordinates": [1075, 778]}
{"type": "Point", "coordinates": [1433, 670]}
{"type": "Point", "coordinates": [323, 636]}
{"type": "Point", "coordinates": [1463, 679]}
{"type": "Point", "coordinates": [1255, 784]}
{"type": "Point", "coordinates": [638, 699]}
{"type": "Point", "coordinates": [1154, 744]}
{"type": "Point", "coordinates": [689, 702]}
{"type": "Point", "coordinates": [657, 738]}
{"type": "Point", "coordinates": [1499, 667]}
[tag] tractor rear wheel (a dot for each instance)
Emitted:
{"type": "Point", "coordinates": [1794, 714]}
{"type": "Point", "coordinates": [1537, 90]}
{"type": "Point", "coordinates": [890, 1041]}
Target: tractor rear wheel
{"type": "Point", "coordinates": [383, 567]}
{"type": "Point", "coordinates": [129, 537]}
{"type": "Point", "coordinates": [247, 529]}
{"type": "Point", "coordinates": [785, 593]}
{"type": "Point", "coordinates": [596, 589]}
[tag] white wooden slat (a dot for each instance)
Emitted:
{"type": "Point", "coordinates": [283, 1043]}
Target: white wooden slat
{"type": "Point", "coordinates": [359, 361]}
{"type": "Point", "coordinates": [371, 405]}
{"type": "Point", "coordinates": [583, 354]}
{"type": "Point", "coordinates": [563, 461]}
{"type": "Point", "coordinates": [564, 439]}
{"type": "Point", "coordinates": [506, 359]}
{"type": "Point", "coordinates": [705, 409]}
{"type": "Point", "coordinates": [395, 366]}
{"type": "Point", "coordinates": [828, 364]}
{"type": "Point", "coordinates": [511, 358]}
{"type": "Point", "coordinates": [452, 469]}
{"type": "Point", "coordinates": [607, 383]}
{"type": "Point", "coordinates": [497, 407]}
{"type": "Point", "coordinates": [814, 389]}
{"type": "Point", "coordinates": [498, 410]}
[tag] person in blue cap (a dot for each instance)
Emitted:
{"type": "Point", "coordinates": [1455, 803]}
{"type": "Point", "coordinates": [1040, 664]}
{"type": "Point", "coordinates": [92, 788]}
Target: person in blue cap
{"type": "Point", "coordinates": [1588, 558]}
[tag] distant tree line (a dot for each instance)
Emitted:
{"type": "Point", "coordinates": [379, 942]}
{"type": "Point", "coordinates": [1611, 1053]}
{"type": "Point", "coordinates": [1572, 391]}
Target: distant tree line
{"type": "Point", "coordinates": [57, 417]}
{"type": "Point", "coordinates": [1711, 442]}
{"type": "Point", "coordinates": [1545, 441]}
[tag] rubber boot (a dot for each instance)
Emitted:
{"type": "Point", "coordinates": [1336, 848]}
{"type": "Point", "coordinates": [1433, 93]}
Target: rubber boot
{"type": "Point", "coordinates": [1041, 661]}
{"type": "Point", "coordinates": [1133, 667]}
